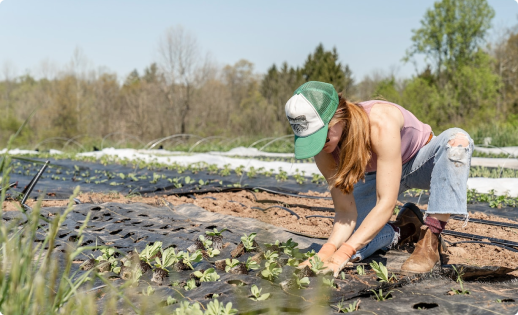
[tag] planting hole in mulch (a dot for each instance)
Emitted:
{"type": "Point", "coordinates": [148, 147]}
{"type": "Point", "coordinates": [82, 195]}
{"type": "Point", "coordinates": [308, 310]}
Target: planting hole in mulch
{"type": "Point", "coordinates": [507, 301]}
{"type": "Point", "coordinates": [425, 306]}
{"type": "Point", "coordinates": [236, 283]}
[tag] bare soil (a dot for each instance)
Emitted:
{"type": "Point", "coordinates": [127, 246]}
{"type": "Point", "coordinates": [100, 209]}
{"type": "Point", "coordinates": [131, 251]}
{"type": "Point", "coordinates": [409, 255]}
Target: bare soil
{"type": "Point", "coordinates": [240, 204]}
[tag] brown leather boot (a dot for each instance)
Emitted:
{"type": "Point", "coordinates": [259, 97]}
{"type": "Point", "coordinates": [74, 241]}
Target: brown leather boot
{"type": "Point", "coordinates": [426, 253]}
{"type": "Point", "coordinates": [409, 214]}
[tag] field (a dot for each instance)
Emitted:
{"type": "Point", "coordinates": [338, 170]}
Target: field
{"type": "Point", "coordinates": [220, 233]}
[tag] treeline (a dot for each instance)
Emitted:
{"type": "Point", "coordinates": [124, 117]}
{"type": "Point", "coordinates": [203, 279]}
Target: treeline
{"type": "Point", "coordinates": [467, 83]}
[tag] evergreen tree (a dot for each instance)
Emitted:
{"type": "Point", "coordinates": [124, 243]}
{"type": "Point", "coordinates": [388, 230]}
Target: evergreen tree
{"type": "Point", "coordinates": [324, 66]}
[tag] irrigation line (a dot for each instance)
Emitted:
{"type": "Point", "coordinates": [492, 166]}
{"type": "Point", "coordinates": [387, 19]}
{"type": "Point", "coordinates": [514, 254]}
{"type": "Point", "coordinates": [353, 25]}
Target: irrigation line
{"type": "Point", "coordinates": [280, 207]}
{"type": "Point", "coordinates": [480, 238]}
{"type": "Point", "coordinates": [485, 243]}
{"type": "Point", "coordinates": [495, 223]}
{"type": "Point", "coordinates": [319, 216]}
{"type": "Point", "coordinates": [291, 195]}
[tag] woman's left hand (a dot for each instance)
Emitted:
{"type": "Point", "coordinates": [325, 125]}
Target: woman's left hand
{"type": "Point", "coordinates": [339, 260]}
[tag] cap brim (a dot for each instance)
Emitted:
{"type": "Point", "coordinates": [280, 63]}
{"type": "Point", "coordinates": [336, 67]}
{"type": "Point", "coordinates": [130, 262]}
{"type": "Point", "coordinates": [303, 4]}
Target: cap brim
{"type": "Point", "coordinates": [306, 147]}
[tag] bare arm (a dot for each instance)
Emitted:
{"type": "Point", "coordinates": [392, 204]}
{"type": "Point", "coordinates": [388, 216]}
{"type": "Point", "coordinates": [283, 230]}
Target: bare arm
{"type": "Point", "coordinates": [345, 207]}
{"type": "Point", "coordinates": [386, 123]}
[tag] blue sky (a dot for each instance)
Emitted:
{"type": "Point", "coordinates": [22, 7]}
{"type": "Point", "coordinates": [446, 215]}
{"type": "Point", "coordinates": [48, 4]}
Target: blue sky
{"type": "Point", "coordinates": [123, 35]}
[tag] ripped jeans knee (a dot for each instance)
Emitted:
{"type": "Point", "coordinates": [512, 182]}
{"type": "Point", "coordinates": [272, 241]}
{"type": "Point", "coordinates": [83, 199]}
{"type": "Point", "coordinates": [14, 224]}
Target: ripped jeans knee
{"type": "Point", "coordinates": [459, 148]}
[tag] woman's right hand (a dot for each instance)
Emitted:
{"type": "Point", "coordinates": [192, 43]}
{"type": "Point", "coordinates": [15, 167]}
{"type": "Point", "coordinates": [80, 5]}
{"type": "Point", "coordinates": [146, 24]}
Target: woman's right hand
{"type": "Point", "coordinates": [324, 254]}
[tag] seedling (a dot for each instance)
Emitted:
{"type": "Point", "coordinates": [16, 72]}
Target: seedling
{"type": "Point", "coordinates": [329, 282]}
{"type": "Point", "coordinates": [107, 255]}
{"type": "Point", "coordinates": [188, 180]}
{"type": "Point", "coordinates": [176, 181]}
{"type": "Point", "coordinates": [256, 294]}
{"type": "Point", "coordinates": [248, 241]}
{"type": "Point", "coordinates": [148, 291]}
{"type": "Point", "coordinates": [270, 256]}
{"type": "Point", "coordinates": [215, 232]}
{"type": "Point", "coordinates": [461, 283]}
{"type": "Point", "coordinates": [190, 285]}
{"type": "Point", "coordinates": [169, 258]}
{"type": "Point", "coordinates": [156, 178]}
{"type": "Point", "coordinates": [360, 270]}
{"type": "Point", "coordinates": [225, 171]}
{"type": "Point", "coordinates": [251, 264]}
{"type": "Point", "coordinates": [382, 272]}
{"type": "Point", "coordinates": [316, 264]}
{"type": "Point", "coordinates": [252, 173]}
{"type": "Point", "coordinates": [347, 309]}
{"type": "Point", "coordinates": [309, 254]}
{"type": "Point", "coordinates": [211, 252]}
{"type": "Point", "coordinates": [380, 297]}
{"type": "Point", "coordinates": [206, 242]}
{"type": "Point", "coordinates": [170, 301]}
{"type": "Point", "coordinates": [193, 258]}
{"type": "Point", "coordinates": [218, 308]}
{"type": "Point", "coordinates": [231, 263]}
{"type": "Point", "coordinates": [301, 283]}
{"type": "Point", "coordinates": [150, 251]}
{"type": "Point", "coordinates": [208, 275]}
{"type": "Point", "coordinates": [271, 271]}
{"type": "Point", "coordinates": [290, 248]}
{"type": "Point", "coordinates": [282, 176]}
{"type": "Point", "coordinates": [239, 170]}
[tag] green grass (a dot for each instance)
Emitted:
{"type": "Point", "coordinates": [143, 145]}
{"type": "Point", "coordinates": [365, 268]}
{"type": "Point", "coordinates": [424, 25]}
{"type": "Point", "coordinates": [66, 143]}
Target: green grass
{"type": "Point", "coordinates": [502, 135]}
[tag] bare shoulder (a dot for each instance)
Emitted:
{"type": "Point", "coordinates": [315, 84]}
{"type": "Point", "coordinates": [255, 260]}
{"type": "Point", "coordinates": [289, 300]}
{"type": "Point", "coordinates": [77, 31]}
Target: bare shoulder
{"type": "Point", "coordinates": [383, 114]}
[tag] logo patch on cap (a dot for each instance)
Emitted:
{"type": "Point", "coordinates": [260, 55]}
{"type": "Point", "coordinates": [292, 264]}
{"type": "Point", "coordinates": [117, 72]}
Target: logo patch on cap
{"type": "Point", "coordinates": [298, 124]}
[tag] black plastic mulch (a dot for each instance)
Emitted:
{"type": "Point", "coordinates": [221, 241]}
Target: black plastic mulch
{"type": "Point", "coordinates": [130, 226]}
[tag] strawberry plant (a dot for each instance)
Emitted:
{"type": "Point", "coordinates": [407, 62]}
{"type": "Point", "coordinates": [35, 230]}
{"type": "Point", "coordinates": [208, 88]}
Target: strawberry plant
{"type": "Point", "coordinates": [251, 264]}
{"type": "Point", "coordinates": [248, 241]}
{"type": "Point", "coordinates": [256, 294]}
{"type": "Point", "coordinates": [270, 256]}
{"type": "Point", "coordinates": [208, 275]}
{"type": "Point", "coordinates": [206, 242]}
{"type": "Point", "coordinates": [231, 263]}
{"type": "Point", "coordinates": [271, 271]}
{"type": "Point", "coordinates": [329, 282]}
{"type": "Point", "coordinates": [212, 252]}
{"type": "Point", "coordinates": [215, 232]}
{"type": "Point", "coordinates": [316, 264]}
{"type": "Point", "coordinates": [301, 283]}
{"type": "Point", "coordinates": [218, 308]}
{"type": "Point", "coordinates": [190, 259]}
{"type": "Point", "coordinates": [190, 285]}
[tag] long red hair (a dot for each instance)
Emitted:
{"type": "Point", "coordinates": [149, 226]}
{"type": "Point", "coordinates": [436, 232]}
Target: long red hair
{"type": "Point", "coordinates": [355, 145]}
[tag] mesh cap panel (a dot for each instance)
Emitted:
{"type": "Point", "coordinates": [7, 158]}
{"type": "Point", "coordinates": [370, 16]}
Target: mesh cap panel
{"type": "Point", "coordinates": [322, 96]}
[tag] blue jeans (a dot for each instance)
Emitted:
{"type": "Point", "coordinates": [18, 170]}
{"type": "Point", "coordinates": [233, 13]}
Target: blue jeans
{"type": "Point", "coordinates": [437, 166]}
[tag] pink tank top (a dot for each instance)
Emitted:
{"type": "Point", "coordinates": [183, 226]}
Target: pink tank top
{"type": "Point", "coordinates": [414, 135]}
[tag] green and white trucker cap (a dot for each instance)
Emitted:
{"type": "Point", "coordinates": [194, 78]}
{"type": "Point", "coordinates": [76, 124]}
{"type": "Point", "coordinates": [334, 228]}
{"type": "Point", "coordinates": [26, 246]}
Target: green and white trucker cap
{"type": "Point", "coordinates": [309, 111]}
